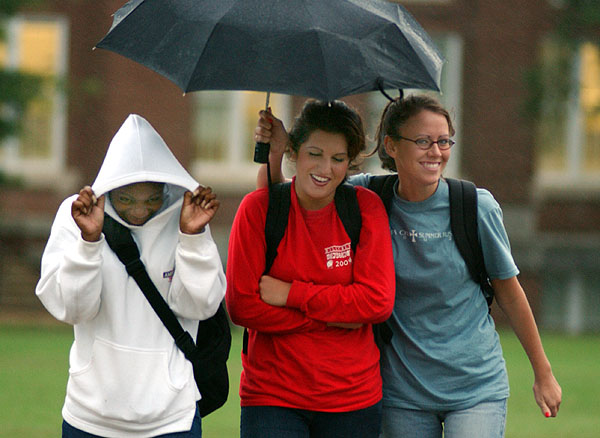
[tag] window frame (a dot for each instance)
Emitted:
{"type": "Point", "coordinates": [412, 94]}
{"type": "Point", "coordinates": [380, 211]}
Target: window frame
{"type": "Point", "coordinates": [572, 178]}
{"type": "Point", "coordinates": [451, 99]}
{"type": "Point", "coordinates": [37, 170]}
{"type": "Point", "coordinates": [235, 171]}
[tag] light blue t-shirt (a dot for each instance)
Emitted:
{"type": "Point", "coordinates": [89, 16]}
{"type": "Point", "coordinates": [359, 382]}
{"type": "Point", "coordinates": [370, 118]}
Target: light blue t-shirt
{"type": "Point", "coordinates": [445, 353]}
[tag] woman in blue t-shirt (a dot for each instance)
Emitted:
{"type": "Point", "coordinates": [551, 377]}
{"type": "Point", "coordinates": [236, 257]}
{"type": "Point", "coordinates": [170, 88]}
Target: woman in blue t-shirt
{"type": "Point", "coordinates": [443, 372]}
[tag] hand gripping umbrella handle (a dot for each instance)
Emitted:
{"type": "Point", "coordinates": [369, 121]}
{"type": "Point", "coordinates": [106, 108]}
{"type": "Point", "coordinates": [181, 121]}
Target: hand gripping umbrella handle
{"type": "Point", "coordinates": [261, 150]}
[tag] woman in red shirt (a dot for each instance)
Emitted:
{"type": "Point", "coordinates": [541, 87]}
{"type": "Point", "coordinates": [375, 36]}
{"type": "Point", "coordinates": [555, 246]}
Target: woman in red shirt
{"type": "Point", "coordinates": [312, 367]}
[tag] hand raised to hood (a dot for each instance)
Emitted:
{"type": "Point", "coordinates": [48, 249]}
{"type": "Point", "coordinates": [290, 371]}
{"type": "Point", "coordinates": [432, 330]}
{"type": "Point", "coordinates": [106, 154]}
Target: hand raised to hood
{"type": "Point", "coordinates": [198, 210]}
{"type": "Point", "coordinates": [88, 213]}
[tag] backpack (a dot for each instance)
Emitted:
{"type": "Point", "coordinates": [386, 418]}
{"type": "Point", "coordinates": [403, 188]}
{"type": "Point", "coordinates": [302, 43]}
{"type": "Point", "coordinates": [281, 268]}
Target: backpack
{"type": "Point", "coordinates": [463, 222]}
{"type": "Point", "coordinates": [213, 340]}
{"type": "Point", "coordinates": [276, 222]}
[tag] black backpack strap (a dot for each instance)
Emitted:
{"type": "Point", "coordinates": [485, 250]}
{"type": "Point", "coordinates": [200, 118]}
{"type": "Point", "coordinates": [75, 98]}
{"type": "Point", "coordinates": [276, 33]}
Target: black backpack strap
{"type": "Point", "coordinates": [383, 185]}
{"type": "Point", "coordinates": [121, 242]}
{"type": "Point", "coordinates": [348, 210]}
{"type": "Point", "coordinates": [276, 220]}
{"type": "Point", "coordinates": [463, 221]}
{"type": "Point", "coordinates": [275, 225]}
{"type": "Point", "coordinates": [209, 356]}
{"type": "Point", "coordinates": [278, 212]}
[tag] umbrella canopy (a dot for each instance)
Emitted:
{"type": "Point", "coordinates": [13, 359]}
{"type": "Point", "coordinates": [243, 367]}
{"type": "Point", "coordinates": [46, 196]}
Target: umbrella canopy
{"type": "Point", "coordinates": [324, 49]}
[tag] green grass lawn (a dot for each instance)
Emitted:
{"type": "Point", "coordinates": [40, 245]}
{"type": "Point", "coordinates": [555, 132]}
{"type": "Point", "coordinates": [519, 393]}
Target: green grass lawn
{"type": "Point", "coordinates": [33, 377]}
{"type": "Point", "coordinates": [576, 365]}
{"type": "Point", "coordinates": [34, 363]}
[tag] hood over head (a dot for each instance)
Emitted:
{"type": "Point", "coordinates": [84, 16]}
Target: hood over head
{"type": "Point", "coordinates": [137, 153]}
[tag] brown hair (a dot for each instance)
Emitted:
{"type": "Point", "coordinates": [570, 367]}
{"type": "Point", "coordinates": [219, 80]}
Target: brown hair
{"type": "Point", "coordinates": [396, 113]}
{"type": "Point", "coordinates": [335, 117]}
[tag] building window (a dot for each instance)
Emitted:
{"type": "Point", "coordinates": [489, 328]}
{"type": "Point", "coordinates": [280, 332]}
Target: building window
{"type": "Point", "coordinates": [38, 45]}
{"type": "Point", "coordinates": [568, 140]}
{"type": "Point", "coordinates": [451, 47]}
{"type": "Point", "coordinates": [225, 122]}
{"type": "Point", "coordinates": [223, 131]}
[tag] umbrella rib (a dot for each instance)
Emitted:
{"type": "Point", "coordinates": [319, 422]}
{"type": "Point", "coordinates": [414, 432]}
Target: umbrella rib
{"type": "Point", "coordinates": [335, 52]}
{"type": "Point", "coordinates": [201, 54]}
{"type": "Point", "coordinates": [323, 57]}
{"type": "Point", "coordinates": [404, 18]}
{"type": "Point", "coordinates": [325, 68]}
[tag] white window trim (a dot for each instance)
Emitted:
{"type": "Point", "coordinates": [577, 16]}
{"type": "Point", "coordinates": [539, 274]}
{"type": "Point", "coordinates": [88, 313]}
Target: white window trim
{"type": "Point", "coordinates": [452, 91]}
{"type": "Point", "coordinates": [452, 94]}
{"type": "Point", "coordinates": [40, 171]}
{"type": "Point", "coordinates": [235, 172]}
{"type": "Point", "coordinates": [571, 181]}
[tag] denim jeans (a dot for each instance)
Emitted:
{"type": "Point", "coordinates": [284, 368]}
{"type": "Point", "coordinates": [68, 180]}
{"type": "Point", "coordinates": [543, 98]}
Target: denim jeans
{"type": "Point", "coordinates": [69, 431]}
{"type": "Point", "coordinates": [484, 420]}
{"type": "Point", "coordinates": [278, 422]}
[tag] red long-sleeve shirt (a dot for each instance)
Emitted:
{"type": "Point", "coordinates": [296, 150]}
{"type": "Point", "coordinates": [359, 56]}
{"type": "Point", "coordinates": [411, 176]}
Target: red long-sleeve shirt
{"type": "Point", "coordinates": [294, 359]}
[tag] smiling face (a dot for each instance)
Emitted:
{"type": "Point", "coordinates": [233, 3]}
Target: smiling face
{"type": "Point", "coordinates": [137, 203]}
{"type": "Point", "coordinates": [321, 166]}
{"type": "Point", "coordinates": [419, 170]}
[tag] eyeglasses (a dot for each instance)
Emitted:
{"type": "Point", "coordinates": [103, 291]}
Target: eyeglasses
{"type": "Point", "coordinates": [426, 143]}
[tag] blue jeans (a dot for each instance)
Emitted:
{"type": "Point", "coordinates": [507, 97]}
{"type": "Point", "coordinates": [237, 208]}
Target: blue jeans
{"type": "Point", "coordinates": [485, 420]}
{"type": "Point", "coordinates": [278, 422]}
{"type": "Point", "coordinates": [69, 431]}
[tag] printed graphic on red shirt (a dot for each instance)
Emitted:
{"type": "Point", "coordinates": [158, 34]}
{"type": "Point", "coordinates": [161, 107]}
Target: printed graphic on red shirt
{"type": "Point", "coordinates": [338, 256]}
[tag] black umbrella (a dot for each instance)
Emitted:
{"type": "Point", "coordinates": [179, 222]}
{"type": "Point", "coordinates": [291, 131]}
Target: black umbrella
{"type": "Point", "coordinates": [324, 49]}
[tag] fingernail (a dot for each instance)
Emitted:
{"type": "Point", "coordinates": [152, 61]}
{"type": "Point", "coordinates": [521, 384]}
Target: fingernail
{"type": "Point", "coordinates": [547, 414]}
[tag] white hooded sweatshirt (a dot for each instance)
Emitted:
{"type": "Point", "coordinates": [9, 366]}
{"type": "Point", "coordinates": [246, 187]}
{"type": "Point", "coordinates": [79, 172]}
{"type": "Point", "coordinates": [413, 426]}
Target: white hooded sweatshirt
{"type": "Point", "coordinates": [127, 378]}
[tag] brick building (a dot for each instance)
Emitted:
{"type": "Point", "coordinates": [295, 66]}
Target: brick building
{"type": "Point", "coordinates": [546, 175]}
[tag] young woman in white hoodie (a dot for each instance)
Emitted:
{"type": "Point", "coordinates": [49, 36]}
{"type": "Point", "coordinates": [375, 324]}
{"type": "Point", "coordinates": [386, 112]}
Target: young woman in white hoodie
{"type": "Point", "coordinates": [127, 378]}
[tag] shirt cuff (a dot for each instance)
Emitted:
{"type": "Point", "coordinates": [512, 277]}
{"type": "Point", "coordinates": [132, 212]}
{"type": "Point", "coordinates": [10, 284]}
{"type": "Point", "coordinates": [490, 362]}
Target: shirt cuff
{"type": "Point", "coordinates": [193, 242]}
{"type": "Point", "coordinates": [297, 294]}
{"type": "Point", "coordinates": [90, 250]}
